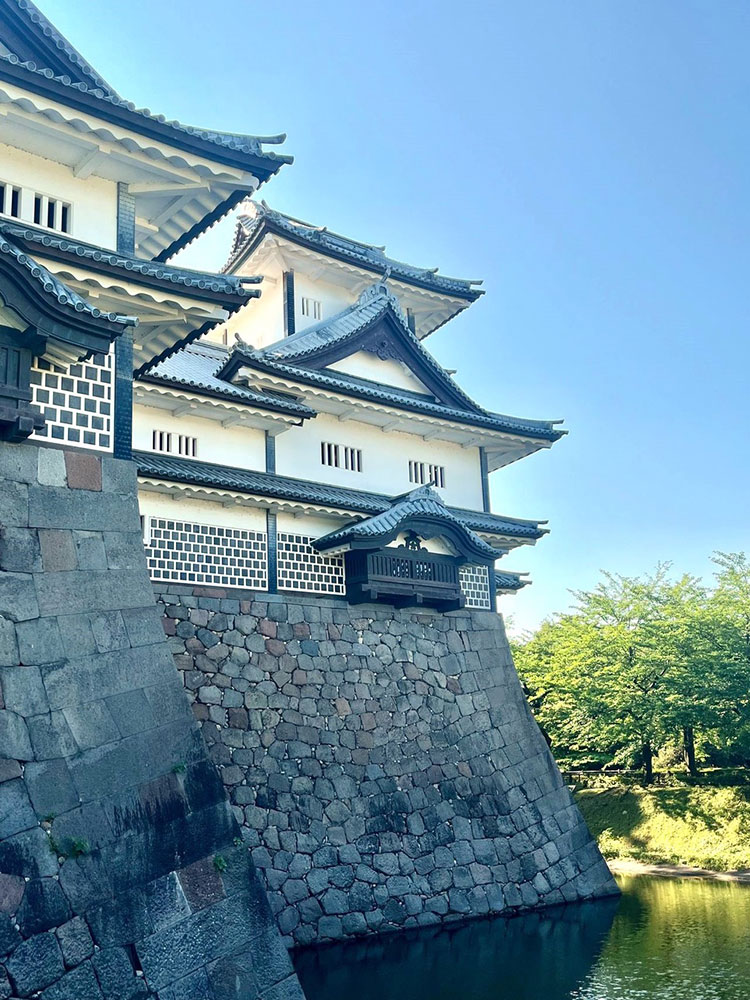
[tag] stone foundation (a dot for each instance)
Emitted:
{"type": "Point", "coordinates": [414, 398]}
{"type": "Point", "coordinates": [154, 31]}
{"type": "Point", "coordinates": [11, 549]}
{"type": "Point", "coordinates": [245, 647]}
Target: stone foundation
{"type": "Point", "coordinates": [384, 763]}
{"type": "Point", "coordinates": [122, 874]}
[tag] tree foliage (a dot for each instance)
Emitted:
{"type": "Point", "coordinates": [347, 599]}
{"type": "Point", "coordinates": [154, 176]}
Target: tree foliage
{"type": "Point", "coordinates": [643, 663]}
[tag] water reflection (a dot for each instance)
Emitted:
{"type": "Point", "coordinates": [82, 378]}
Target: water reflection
{"type": "Point", "coordinates": [663, 940]}
{"type": "Point", "coordinates": [682, 939]}
{"type": "Point", "coordinates": [526, 958]}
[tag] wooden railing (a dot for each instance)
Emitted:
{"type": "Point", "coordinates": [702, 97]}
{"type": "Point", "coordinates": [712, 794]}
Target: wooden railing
{"type": "Point", "coordinates": [401, 576]}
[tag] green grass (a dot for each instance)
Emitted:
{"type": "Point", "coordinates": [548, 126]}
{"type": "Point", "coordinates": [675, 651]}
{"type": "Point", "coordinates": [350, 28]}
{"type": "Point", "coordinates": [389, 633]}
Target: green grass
{"type": "Point", "coordinates": [699, 826]}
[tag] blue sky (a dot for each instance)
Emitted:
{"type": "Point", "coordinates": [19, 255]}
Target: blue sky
{"type": "Point", "coordinates": [589, 160]}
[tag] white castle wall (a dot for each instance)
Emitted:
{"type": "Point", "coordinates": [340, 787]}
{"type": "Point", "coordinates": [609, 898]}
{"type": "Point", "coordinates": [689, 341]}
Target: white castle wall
{"type": "Point", "coordinates": [385, 458]}
{"type": "Point", "coordinates": [93, 200]}
{"type": "Point", "coordinates": [241, 447]}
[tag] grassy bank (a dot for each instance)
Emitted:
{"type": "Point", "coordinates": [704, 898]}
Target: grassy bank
{"type": "Point", "coordinates": [704, 827]}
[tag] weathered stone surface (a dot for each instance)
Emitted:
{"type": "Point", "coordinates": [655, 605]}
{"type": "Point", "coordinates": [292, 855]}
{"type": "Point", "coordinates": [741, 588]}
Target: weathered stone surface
{"type": "Point", "coordinates": [384, 763]}
{"type": "Point", "coordinates": [116, 835]}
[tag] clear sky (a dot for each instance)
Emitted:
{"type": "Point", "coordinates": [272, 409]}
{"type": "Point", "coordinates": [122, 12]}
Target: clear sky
{"type": "Point", "coordinates": [588, 159]}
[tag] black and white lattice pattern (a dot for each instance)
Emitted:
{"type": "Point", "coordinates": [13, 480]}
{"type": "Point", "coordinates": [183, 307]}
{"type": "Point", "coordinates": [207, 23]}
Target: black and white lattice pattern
{"type": "Point", "coordinates": [300, 567]}
{"type": "Point", "coordinates": [475, 583]}
{"type": "Point", "coordinates": [77, 401]}
{"type": "Point", "coordinates": [185, 552]}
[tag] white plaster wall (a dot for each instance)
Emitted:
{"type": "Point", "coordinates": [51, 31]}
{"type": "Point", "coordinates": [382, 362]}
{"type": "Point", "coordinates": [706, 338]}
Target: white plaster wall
{"type": "Point", "coordinates": [93, 200]}
{"type": "Point", "coordinates": [333, 299]}
{"type": "Point", "coordinates": [385, 458]}
{"type": "Point", "coordinates": [242, 447]}
{"type": "Point", "coordinates": [369, 366]}
{"type": "Point", "coordinates": [200, 511]}
{"type": "Point", "coordinates": [261, 321]}
{"type": "Point", "coordinates": [309, 524]}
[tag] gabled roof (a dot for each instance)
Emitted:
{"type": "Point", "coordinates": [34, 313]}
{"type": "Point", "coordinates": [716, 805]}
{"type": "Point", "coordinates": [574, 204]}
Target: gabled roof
{"type": "Point", "coordinates": [375, 323]}
{"type": "Point", "coordinates": [300, 356]}
{"type": "Point", "coordinates": [194, 367]}
{"type": "Point", "coordinates": [423, 511]}
{"type": "Point", "coordinates": [57, 312]}
{"type": "Point", "coordinates": [250, 230]}
{"type": "Point", "coordinates": [271, 485]}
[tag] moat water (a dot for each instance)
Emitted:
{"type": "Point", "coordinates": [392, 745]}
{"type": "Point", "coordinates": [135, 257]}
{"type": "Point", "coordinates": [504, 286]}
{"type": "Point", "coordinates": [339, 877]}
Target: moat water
{"type": "Point", "coordinates": [664, 939]}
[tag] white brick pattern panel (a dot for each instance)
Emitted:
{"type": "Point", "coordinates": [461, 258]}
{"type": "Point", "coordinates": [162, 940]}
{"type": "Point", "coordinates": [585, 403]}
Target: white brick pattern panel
{"type": "Point", "coordinates": [300, 567]}
{"type": "Point", "coordinates": [77, 401]}
{"type": "Point", "coordinates": [475, 583]}
{"type": "Point", "coordinates": [186, 552]}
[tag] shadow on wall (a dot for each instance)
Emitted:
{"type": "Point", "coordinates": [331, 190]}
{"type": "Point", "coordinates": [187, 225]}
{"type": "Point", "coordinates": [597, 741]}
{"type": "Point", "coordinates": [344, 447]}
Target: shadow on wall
{"type": "Point", "coordinates": [540, 955]}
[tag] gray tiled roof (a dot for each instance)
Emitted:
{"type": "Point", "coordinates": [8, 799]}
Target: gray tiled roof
{"type": "Point", "coordinates": [505, 581]}
{"type": "Point", "coordinates": [78, 65]}
{"type": "Point", "coordinates": [365, 255]}
{"type": "Point", "coordinates": [251, 145]}
{"type": "Point", "coordinates": [45, 240]}
{"type": "Point", "coordinates": [372, 304]}
{"type": "Point", "coordinates": [292, 356]}
{"type": "Point", "coordinates": [195, 367]}
{"type": "Point", "coordinates": [57, 289]}
{"type": "Point", "coordinates": [421, 502]}
{"type": "Point", "coordinates": [272, 485]}
{"type": "Point", "coordinates": [402, 399]}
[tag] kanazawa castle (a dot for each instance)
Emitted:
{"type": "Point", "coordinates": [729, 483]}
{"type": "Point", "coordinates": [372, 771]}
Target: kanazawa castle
{"type": "Point", "coordinates": [291, 429]}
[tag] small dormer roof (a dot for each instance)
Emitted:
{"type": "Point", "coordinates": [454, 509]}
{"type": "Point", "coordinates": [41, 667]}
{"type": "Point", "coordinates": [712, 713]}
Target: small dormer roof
{"type": "Point", "coordinates": [375, 323]}
{"type": "Point", "coordinates": [250, 230]}
{"type": "Point", "coordinates": [423, 511]}
{"type": "Point", "coordinates": [303, 358]}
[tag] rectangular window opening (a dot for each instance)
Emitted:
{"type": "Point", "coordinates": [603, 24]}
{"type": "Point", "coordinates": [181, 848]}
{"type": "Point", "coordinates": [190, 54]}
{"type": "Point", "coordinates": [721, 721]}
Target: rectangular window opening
{"type": "Point", "coordinates": [421, 473]}
{"type": "Point", "coordinates": [312, 307]}
{"type": "Point", "coordinates": [341, 456]}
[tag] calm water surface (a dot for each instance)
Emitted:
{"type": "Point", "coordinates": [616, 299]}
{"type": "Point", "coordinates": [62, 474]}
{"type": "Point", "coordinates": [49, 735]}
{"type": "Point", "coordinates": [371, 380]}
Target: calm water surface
{"type": "Point", "coordinates": [663, 940]}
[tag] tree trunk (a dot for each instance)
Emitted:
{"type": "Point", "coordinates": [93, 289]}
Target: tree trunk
{"type": "Point", "coordinates": [688, 750]}
{"type": "Point", "coordinates": [648, 763]}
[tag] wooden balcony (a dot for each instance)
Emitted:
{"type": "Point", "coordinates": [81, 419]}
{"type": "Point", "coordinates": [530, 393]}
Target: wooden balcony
{"type": "Point", "coordinates": [403, 578]}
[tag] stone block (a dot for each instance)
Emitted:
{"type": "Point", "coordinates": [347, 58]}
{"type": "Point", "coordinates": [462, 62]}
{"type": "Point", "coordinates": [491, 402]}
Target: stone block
{"type": "Point", "coordinates": [143, 625]}
{"type": "Point", "coordinates": [19, 550]}
{"type": "Point", "coordinates": [49, 786]}
{"type": "Point", "coordinates": [50, 468]}
{"type": "Point", "coordinates": [80, 984]}
{"type": "Point", "coordinates": [118, 475]}
{"type": "Point", "coordinates": [12, 888]}
{"type": "Point", "coordinates": [14, 736]}
{"type": "Point", "coordinates": [14, 504]}
{"type": "Point", "coordinates": [35, 963]}
{"type": "Point", "coordinates": [64, 508]}
{"type": "Point", "coordinates": [8, 645]}
{"type": "Point", "coordinates": [58, 550]}
{"type": "Point", "coordinates": [83, 470]}
{"type": "Point", "coordinates": [39, 641]}
{"type": "Point", "coordinates": [16, 813]}
{"type": "Point", "coordinates": [132, 712]}
{"type": "Point", "coordinates": [43, 907]}
{"type": "Point", "coordinates": [91, 724]}
{"type": "Point", "coordinates": [50, 736]}
{"type": "Point", "coordinates": [18, 598]}
{"type": "Point", "coordinates": [115, 973]}
{"type": "Point", "coordinates": [75, 940]}
{"type": "Point", "coordinates": [78, 592]}
{"type": "Point", "coordinates": [90, 551]}
{"type": "Point", "coordinates": [109, 631]}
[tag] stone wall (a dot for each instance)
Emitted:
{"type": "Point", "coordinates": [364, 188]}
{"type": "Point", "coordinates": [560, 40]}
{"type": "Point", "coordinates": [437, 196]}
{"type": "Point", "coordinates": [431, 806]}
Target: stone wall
{"type": "Point", "coordinates": [121, 871]}
{"type": "Point", "coordinates": [384, 763]}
